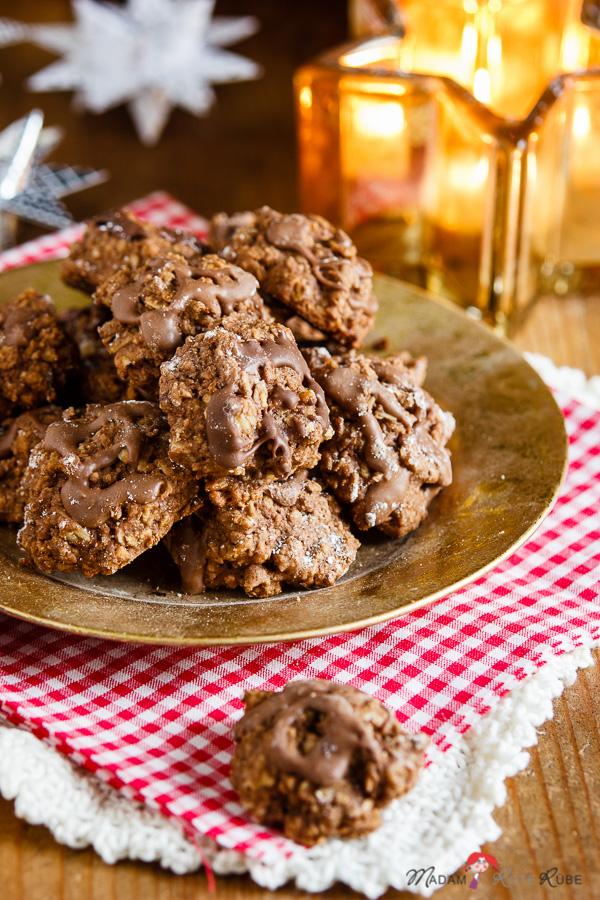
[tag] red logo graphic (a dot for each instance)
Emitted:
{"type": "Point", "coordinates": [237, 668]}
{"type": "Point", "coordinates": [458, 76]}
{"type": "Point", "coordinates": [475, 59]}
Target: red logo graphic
{"type": "Point", "coordinates": [477, 864]}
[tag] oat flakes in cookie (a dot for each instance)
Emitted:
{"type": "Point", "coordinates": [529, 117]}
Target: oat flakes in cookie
{"type": "Point", "coordinates": [113, 240]}
{"type": "Point", "coordinates": [102, 489]}
{"type": "Point", "coordinates": [264, 537]}
{"type": "Point", "coordinates": [240, 399]}
{"type": "Point", "coordinates": [36, 355]}
{"type": "Point", "coordinates": [18, 437]}
{"type": "Point", "coordinates": [320, 760]}
{"type": "Point", "coordinates": [155, 307]}
{"type": "Point", "coordinates": [97, 378]}
{"type": "Point", "coordinates": [319, 286]}
{"type": "Point", "coordinates": [388, 457]}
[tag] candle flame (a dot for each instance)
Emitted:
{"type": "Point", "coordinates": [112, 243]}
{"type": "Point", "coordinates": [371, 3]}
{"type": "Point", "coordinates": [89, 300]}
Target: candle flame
{"type": "Point", "coordinates": [467, 173]}
{"type": "Point", "coordinates": [305, 97]}
{"type": "Point", "coordinates": [494, 50]}
{"type": "Point", "coordinates": [582, 122]}
{"type": "Point", "coordinates": [482, 86]}
{"type": "Point", "coordinates": [573, 50]}
{"type": "Point", "coordinates": [468, 49]}
{"type": "Point", "coordinates": [380, 120]}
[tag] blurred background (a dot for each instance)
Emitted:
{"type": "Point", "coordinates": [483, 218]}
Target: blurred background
{"type": "Point", "coordinates": [415, 145]}
{"type": "Point", "coordinates": [241, 155]}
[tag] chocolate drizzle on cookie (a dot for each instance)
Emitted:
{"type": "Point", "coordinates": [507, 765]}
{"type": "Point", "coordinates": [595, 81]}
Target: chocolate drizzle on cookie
{"type": "Point", "coordinates": [187, 544]}
{"type": "Point", "coordinates": [224, 227]}
{"type": "Point", "coordinates": [356, 393]}
{"type": "Point", "coordinates": [11, 428]}
{"type": "Point", "coordinates": [353, 392]}
{"type": "Point", "coordinates": [341, 732]}
{"type": "Point", "coordinates": [92, 506]}
{"type": "Point", "coordinates": [120, 225]}
{"type": "Point", "coordinates": [16, 320]}
{"type": "Point", "coordinates": [401, 433]}
{"type": "Point", "coordinates": [229, 446]}
{"type": "Point", "coordinates": [220, 290]}
{"type": "Point", "coordinates": [293, 232]}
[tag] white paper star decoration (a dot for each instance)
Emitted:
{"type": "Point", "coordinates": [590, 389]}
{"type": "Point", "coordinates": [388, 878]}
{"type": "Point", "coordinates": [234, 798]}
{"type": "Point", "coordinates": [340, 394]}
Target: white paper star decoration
{"type": "Point", "coordinates": [151, 54]}
{"type": "Point", "coordinates": [12, 32]}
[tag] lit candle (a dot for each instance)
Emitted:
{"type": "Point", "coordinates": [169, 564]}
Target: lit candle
{"type": "Point", "coordinates": [485, 45]}
{"type": "Point", "coordinates": [456, 193]}
{"type": "Point", "coordinates": [585, 159]}
{"type": "Point", "coordinates": [481, 204]}
{"type": "Point", "coordinates": [374, 140]}
{"type": "Point", "coordinates": [375, 152]}
{"type": "Point", "coordinates": [580, 234]}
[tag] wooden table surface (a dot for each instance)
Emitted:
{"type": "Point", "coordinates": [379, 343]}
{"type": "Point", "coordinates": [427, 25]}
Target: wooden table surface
{"type": "Point", "coordinates": [240, 157]}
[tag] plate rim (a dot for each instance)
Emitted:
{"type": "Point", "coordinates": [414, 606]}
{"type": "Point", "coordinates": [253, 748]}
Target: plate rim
{"type": "Point", "coordinates": [356, 625]}
{"type": "Point", "coordinates": [287, 637]}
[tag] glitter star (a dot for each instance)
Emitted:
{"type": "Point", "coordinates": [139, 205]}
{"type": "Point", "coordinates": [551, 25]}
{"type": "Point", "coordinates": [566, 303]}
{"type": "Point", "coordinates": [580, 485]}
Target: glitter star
{"type": "Point", "coordinates": [31, 188]}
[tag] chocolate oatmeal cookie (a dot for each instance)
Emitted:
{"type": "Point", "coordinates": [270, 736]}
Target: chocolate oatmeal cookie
{"type": "Point", "coordinates": [98, 381]}
{"type": "Point", "coordinates": [320, 760]}
{"type": "Point", "coordinates": [186, 544]}
{"type": "Point", "coordinates": [118, 239]}
{"type": "Point", "coordinates": [240, 399]}
{"type": "Point", "coordinates": [388, 456]}
{"type": "Point", "coordinates": [36, 355]}
{"type": "Point", "coordinates": [155, 307]}
{"type": "Point", "coordinates": [264, 536]}
{"type": "Point", "coordinates": [102, 489]}
{"type": "Point", "coordinates": [311, 269]}
{"type": "Point", "coordinates": [18, 437]}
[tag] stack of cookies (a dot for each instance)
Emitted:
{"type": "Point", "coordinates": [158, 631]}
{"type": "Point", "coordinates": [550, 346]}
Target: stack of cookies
{"type": "Point", "coordinates": [212, 396]}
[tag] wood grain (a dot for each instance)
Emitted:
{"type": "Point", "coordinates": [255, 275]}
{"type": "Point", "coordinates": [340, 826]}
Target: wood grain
{"type": "Point", "coordinates": [551, 819]}
{"type": "Point", "coordinates": [552, 815]}
{"type": "Point", "coordinates": [241, 156]}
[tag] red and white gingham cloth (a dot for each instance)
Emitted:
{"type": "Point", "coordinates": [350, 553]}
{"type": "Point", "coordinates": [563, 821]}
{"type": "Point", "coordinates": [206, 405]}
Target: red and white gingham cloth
{"type": "Point", "coordinates": [156, 723]}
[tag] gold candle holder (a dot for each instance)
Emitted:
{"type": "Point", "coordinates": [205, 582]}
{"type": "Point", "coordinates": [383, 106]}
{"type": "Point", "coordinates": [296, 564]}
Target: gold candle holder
{"type": "Point", "coordinates": [462, 156]}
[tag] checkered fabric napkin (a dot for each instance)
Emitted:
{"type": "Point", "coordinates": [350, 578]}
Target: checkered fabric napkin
{"type": "Point", "coordinates": [156, 723]}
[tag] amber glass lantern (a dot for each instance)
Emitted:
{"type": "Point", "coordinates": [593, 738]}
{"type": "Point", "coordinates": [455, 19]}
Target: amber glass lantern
{"type": "Point", "coordinates": [463, 156]}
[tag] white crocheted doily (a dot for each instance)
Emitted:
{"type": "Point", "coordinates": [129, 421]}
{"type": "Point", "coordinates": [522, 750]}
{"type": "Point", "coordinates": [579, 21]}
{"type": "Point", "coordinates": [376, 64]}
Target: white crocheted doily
{"type": "Point", "coordinates": [448, 815]}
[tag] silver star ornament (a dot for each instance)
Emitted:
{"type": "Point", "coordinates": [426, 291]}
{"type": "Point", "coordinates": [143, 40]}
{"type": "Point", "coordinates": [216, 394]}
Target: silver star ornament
{"type": "Point", "coordinates": [152, 55]}
{"type": "Point", "coordinates": [31, 188]}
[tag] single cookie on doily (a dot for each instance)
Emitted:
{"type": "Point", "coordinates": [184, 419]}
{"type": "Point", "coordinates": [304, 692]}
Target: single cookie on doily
{"type": "Point", "coordinates": [102, 489]}
{"type": "Point", "coordinates": [262, 537]}
{"type": "Point", "coordinates": [320, 760]}
{"type": "Point", "coordinates": [36, 355]}
{"type": "Point", "coordinates": [388, 457]}
{"type": "Point", "coordinates": [240, 399]}
{"type": "Point", "coordinates": [97, 378]}
{"type": "Point", "coordinates": [310, 268]}
{"type": "Point", "coordinates": [17, 439]}
{"type": "Point", "coordinates": [155, 307]}
{"type": "Point", "coordinates": [116, 239]}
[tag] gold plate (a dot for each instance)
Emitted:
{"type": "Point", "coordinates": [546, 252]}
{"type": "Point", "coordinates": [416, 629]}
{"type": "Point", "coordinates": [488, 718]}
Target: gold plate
{"type": "Point", "coordinates": [509, 457]}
